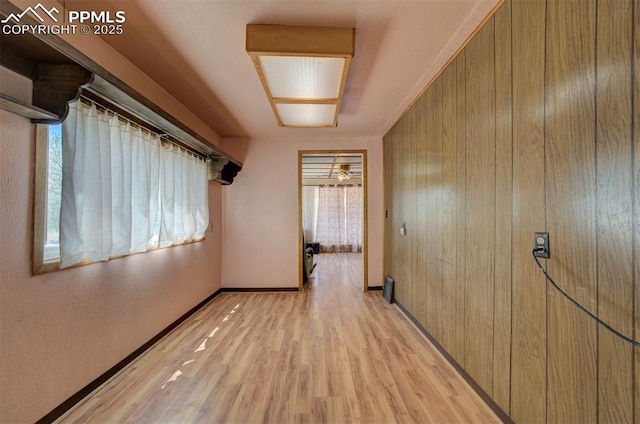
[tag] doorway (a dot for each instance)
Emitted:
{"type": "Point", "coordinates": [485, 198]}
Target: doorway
{"type": "Point", "coordinates": [333, 169]}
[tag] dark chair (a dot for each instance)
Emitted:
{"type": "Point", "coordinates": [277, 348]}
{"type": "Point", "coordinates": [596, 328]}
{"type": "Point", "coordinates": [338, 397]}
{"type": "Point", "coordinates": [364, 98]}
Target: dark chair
{"type": "Point", "coordinates": [307, 260]}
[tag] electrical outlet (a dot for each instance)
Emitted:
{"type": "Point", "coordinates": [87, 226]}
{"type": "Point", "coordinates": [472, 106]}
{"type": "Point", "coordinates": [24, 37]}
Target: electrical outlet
{"type": "Point", "coordinates": [542, 242]}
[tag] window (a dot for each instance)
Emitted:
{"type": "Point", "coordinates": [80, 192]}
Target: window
{"type": "Point", "coordinates": [46, 211]}
{"type": "Point", "coordinates": [54, 193]}
{"type": "Point", "coordinates": [107, 187]}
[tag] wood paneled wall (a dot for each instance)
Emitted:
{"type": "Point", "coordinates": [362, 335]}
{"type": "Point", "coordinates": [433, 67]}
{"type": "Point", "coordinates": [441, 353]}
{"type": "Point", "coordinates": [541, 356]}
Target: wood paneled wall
{"type": "Point", "coordinates": [532, 127]}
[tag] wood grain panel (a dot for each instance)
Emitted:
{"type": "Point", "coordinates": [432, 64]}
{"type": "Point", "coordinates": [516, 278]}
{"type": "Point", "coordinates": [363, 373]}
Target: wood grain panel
{"type": "Point", "coordinates": [431, 97]}
{"type": "Point", "coordinates": [438, 191]}
{"type": "Point", "coordinates": [635, 140]}
{"type": "Point", "coordinates": [614, 208]}
{"type": "Point", "coordinates": [401, 272]}
{"type": "Point", "coordinates": [421, 270]}
{"type": "Point", "coordinates": [480, 206]}
{"type": "Point", "coordinates": [536, 128]}
{"type": "Point", "coordinates": [388, 202]}
{"type": "Point", "coordinates": [407, 190]}
{"type": "Point", "coordinates": [504, 162]}
{"type": "Point", "coordinates": [450, 290]}
{"type": "Point", "coordinates": [571, 217]}
{"type": "Point", "coordinates": [397, 206]}
{"type": "Point", "coordinates": [461, 208]}
{"type": "Point", "coordinates": [393, 248]}
{"type": "Point", "coordinates": [392, 188]}
{"type": "Point", "coordinates": [410, 199]}
{"type": "Point", "coordinates": [397, 211]}
{"type": "Point", "coordinates": [528, 364]}
{"type": "Point", "coordinates": [402, 285]}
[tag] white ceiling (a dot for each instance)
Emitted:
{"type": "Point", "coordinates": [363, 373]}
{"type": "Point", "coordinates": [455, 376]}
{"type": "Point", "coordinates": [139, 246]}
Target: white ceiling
{"type": "Point", "coordinates": [195, 49]}
{"type": "Point", "coordinates": [326, 166]}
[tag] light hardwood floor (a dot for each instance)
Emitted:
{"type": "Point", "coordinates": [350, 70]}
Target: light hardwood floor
{"type": "Point", "coordinates": [332, 354]}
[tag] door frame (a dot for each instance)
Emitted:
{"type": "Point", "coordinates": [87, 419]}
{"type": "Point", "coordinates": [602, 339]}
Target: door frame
{"type": "Point", "coordinates": [365, 212]}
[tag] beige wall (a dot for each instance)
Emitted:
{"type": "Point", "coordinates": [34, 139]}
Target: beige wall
{"type": "Point", "coordinates": [260, 236]}
{"type": "Point", "coordinates": [60, 331]}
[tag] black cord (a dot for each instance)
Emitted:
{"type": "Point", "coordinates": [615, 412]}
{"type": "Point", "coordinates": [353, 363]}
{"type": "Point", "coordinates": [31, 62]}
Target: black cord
{"type": "Point", "coordinates": [582, 308]}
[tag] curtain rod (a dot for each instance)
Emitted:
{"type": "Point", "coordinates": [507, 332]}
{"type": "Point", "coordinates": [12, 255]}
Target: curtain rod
{"type": "Point", "coordinates": [124, 116]}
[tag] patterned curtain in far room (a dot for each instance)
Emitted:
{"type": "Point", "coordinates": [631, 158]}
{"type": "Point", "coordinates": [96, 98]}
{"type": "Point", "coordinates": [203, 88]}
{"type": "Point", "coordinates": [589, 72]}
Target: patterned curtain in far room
{"type": "Point", "coordinates": [353, 221]}
{"type": "Point", "coordinates": [339, 227]}
{"type": "Point", "coordinates": [310, 212]}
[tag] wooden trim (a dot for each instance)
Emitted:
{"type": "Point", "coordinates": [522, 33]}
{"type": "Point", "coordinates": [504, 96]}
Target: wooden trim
{"type": "Point", "coordinates": [86, 390]}
{"type": "Point", "coordinates": [475, 386]}
{"type": "Point", "coordinates": [289, 40]}
{"type": "Point", "coordinates": [259, 289]}
{"type": "Point", "coordinates": [39, 198]}
{"type": "Point", "coordinates": [365, 212]}
{"type": "Point", "coordinates": [300, 236]}
{"type": "Point", "coordinates": [54, 265]}
{"type": "Point", "coordinates": [371, 288]}
{"type": "Point", "coordinates": [365, 223]}
{"type": "Point", "coordinates": [343, 83]}
{"type": "Point", "coordinates": [56, 86]}
{"type": "Point", "coordinates": [25, 110]}
{"type": "Point", "coordinates": [306, 126]}
{"type": "Point", "coordinates": [299, 101]}
{"type": "Point", "coordinates": [265, 86]}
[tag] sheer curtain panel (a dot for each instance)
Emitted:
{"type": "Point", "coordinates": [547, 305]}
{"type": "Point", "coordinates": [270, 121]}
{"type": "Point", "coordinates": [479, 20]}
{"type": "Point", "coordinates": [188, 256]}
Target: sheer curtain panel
{"type": "Point", "coordinates": [140, 189]}
{"type": "Point", "coordinates": [353, 218]}
{"type": "Point", "coordinates": [185, 209]}
{"type": "Point", "coordinates": [310, 212]}
{"type": "Point", "coordinates": [339, 227]}
{"type": "Point", "coordinates": [119, 189]}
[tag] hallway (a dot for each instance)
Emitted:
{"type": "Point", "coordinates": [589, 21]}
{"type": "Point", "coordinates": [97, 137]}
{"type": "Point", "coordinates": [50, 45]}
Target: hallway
{"type": "Point", "coordinates": [331, 354]}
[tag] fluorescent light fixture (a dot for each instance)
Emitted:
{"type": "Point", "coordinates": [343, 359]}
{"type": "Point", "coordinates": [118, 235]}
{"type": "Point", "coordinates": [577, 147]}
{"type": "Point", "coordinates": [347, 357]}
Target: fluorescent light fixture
{"type": "Point", "coordinates": [303, 71]}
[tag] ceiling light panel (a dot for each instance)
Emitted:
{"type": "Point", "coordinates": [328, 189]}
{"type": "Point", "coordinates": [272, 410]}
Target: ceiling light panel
{"type": "Point", "coordinates": [301, 77]}
{"type": "Point", "coordinates": [306, 115]}
{"type": "Point", "coordinates": [303, 71]}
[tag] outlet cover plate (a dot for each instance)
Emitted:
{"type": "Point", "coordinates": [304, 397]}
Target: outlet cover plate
{"type": "Point", "coordinates": [542, 241]}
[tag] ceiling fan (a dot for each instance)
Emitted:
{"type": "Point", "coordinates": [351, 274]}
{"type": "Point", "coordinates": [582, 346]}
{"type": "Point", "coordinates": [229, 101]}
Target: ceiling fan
{"type": "Point", "coordinates": [344, 173]}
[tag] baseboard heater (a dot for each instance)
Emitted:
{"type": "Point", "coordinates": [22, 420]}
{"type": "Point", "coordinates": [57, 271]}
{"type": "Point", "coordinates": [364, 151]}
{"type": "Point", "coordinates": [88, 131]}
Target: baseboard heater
{"type": "Point", "coordinates": [387, 290]}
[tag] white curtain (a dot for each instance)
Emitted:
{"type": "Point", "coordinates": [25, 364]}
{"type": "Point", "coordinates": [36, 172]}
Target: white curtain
{"type": "Point", "coordinates": [114, 194]}
{"type": "Point", "coordinates": [135, 188]}
{"type": "Point", "coordinates": [309, 212]}
{"type": "Point", "coordinates": [339, 227]}
{"type": "Point", "coordinates": [185, 211]}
